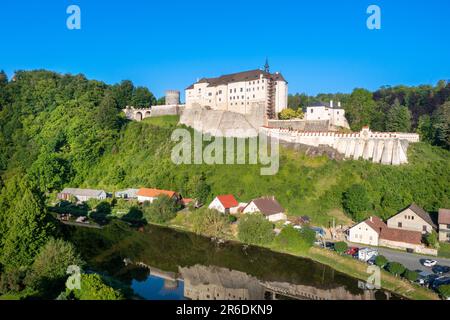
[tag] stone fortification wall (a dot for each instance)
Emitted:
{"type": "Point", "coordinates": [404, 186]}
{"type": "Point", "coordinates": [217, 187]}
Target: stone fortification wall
{"type": "Point", "coordinates": [379, 147]}
{"type": "Point", "coordinates": [223, 123]}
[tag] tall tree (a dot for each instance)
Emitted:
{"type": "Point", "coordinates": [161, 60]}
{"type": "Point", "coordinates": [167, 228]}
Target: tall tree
{"type": "Point", "coordinates": [398, 118]}
{"type": "Point", "coordinates": [142, 97]}
{"type": "Point", "coordinates": [359, 108]}
{"type": "Point", "coordinates": [107, 116]}
{"type": "Point", "coordinates": [123, 93]}
{"type": "Point", "coordinates": [442, 125]}
{"type": "Point", "coordinates": [29, 229]}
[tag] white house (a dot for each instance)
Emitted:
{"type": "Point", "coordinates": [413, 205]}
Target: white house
{"type": "Point", "coordinates": [150, 194]}
{"type": "Point", "coordinates": [268, 206]}
{"type": "Point", "coordinates": [238, 92]}
{"type": "Point", "coordinates": [327, 111]}
{"type": "Point", "coordinates": [82, 195]}
{"type": "Point", "coordinates": [366, 232]}
{"type": "Point", "coordinates": [226, 203]}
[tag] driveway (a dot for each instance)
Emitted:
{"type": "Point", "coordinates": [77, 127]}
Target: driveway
{"type": "Point", "coordinates": [409, 260]}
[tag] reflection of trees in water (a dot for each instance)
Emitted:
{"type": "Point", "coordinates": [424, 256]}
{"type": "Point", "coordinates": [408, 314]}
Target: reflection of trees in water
{"type": "Point", "coordinates": [167, 249]}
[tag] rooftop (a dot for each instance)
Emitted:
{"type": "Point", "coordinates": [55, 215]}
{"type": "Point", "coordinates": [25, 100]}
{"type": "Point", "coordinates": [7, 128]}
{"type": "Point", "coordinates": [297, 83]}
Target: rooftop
{"type": "Point", "coordinates": [444, 216]}
{"type": "Point", "coordinates": [239, 77]}
{"type": "Point", "coordinates": [152, 193]}
{"type": "Point", "coordinates": [83, 192]}
{"type": "Point", "coordinates": [268, 205]}
{"type": "Point", "coordinates": [228, 201]}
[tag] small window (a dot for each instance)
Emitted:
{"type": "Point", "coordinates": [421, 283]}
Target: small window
{"type": "Point", "coordinates": [424, 228]}
{"type": "Point", "coordinates": [400, 225]}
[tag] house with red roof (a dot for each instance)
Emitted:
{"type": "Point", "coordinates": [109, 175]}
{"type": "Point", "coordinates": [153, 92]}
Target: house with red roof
{"type": "Point", "coordinates": [225, 203]}
{"type": "Point", "coordinates": [375, 232]}
{"type": "Point", "coordinates": [150, 194]}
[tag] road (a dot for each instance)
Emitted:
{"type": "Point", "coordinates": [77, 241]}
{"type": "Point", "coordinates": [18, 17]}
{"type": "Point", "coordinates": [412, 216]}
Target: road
{"type": "Point", "coordinates": [409, 260]}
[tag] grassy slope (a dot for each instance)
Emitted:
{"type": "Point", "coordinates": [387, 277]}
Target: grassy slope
{"type": "Point", "coordinates": [303, 185]}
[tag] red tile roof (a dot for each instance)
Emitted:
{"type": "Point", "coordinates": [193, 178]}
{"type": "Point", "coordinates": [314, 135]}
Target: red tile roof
{"type": "Point", "coordinates": [375, 223]}
{"type": "Point", "coordinates": [399, 235]}
{"type": "Point", "coordinates": [228, 201]}
{"type": "Point", "coordinates": [153, 193]}
{"type": "Point", "coordinates": [444, 216]}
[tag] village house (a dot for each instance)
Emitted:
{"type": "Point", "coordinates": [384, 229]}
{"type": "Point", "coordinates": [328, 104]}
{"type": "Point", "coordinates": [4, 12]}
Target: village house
{"type": "Point", "coordinates": [268, 206]}
{"type": "Point", "coordinates": [367, 232]}
{"type": "Point", "coordinates": [444, 225]}
{"type": "Point", "coordinates": [150, 194]}
{"type": "Point", "coordinates": [127, 194]}
{"type": "Point", "coordinates": [412, 218]}
{"type": "Point", "coordinates": [81, 195]}
{"type": "Point", "coordinates": [375, 232]}
{"type": "Point", "coordinates": [225, 203]}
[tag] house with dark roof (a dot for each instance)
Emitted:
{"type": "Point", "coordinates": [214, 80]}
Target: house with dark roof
{"type": "Point", "coordinates": [225, 203]}
{"type": "Point", "coordinates": [444, 224]}
{"type": "Point", "coordinates": [267, 206]}
{"type": "Point", "coordinates": [412, 218]}
{"type": "Point", "coordinates": [240, 92]}
{"type": "Point", "coordinates": [81, 195]}
{"type": "Point", "coordinates": [324, 111]}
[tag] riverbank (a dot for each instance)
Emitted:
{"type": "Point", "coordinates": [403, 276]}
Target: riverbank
{"type": "Point", "coordinates": [344, 264]}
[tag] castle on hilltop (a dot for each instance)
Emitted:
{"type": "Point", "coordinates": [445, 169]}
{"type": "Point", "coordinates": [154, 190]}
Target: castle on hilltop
{"type": "Point", "coordinates": [241, 92]}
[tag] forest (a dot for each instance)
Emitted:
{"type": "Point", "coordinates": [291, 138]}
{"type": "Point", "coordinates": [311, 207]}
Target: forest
{"type": "Point", "coordinates": [62, 130]}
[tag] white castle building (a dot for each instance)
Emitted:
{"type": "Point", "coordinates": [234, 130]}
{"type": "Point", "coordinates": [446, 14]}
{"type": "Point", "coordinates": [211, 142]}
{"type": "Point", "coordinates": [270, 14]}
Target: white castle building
{"type": "Point", "coordinates": [327, 111]}
{"type": "Point", "coordinates": [241, 92]}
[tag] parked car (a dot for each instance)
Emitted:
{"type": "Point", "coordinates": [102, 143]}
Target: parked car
{"type": "Point", "coordinates": [440, 269]}
{"type": "Point", "coordinates": [365, 254]}
{"type": "Point", "coordinates": [371, 261]}
{"type": "Point", "coordinates": [352, 251]}
{"type": "Point", "coordinates": [439, 282]}
{"type": "Point", "coordinates": [329, 245]}
{"type": "Point", "coordinates": [429, 263]}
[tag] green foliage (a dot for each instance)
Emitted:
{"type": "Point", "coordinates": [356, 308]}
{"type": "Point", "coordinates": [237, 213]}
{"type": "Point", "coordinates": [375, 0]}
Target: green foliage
{"type": "Point", "coordinates": [432, 240]}
{"type": "Point", "coordinates": [49, 269]}
{"type": "Point", "coordinates": [356, 202]}
{"type": "Point", "coordinates": [396, 268]}
{"type": "Point", "coordinates": [295, 240]}
{"type": "Point", "coordinates": [12, 281]}
{"type": "Point", "coordinates": [209, 222]}
{"type": "Point", "coordinates": [255, 229]}
{"type": "Point", "coordinates": [381, 261]}
{"type": "Point", "coordinates": [142, 97]}
{"type": "Point", "coordinates": [410, 275]}
{"type": "Point", "coordinates": [94, 288]}
{"type": "Point", "coordinates": [198, 188]}
{"type": "Point", "coordinates": [340, 247]}
{"type": "Point", "coordinates": [289, 113]}
{"type": "Point", "coordinates": [161, 210]}
{"type": "Point", "coordinates": [28, 229]}
{"type": "Point", "coordinates": [359, 108]}
{"type": "Point", "coordinates": [444, 290]}
{"type": "Point", "coordinates": [398, 118]}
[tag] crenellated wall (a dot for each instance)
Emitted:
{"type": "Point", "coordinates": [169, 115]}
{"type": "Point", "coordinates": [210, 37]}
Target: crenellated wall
{"type": "Point", "coordinates": [379, 147]}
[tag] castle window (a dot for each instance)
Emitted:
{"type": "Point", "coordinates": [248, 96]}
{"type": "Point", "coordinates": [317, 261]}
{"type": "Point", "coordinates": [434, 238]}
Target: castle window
{"type": "Point", "coordinates": [220, 91]}
{"type": "Point", "coordinates": [231, 90]}
{"type": "Point", "coordinates": [242, 89]}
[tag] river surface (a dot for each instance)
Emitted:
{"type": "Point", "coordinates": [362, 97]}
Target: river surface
{"type": "Point", "coordinates": [161, 263]}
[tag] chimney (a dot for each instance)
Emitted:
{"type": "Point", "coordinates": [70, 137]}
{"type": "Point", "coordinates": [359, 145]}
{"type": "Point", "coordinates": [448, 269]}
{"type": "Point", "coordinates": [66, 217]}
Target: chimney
{"type": "Point", "coordinates": [331, 103]}
{"type": "Point", "coordinates": [339, 104]}
{"type": "Point", "coordinates": [370, 219]}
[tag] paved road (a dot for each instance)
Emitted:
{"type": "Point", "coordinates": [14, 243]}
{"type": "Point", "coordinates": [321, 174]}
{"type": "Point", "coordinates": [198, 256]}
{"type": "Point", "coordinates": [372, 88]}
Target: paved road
{"type": "Point", "coordinates": [411, 261]}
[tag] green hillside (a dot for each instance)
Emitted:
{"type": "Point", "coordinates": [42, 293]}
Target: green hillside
{"type": "Point", "coordinates": [304, 185]}
{"type": "Point", "coordinates": [64, 130]}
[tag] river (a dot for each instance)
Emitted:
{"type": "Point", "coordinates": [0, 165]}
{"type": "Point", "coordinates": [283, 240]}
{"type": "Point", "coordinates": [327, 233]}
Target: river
{"type": "Point", "coordinates": [162, 263]}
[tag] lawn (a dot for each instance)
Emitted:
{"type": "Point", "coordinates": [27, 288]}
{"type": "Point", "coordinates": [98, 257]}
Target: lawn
{"type": "Point", "coordinates": [444, 250]}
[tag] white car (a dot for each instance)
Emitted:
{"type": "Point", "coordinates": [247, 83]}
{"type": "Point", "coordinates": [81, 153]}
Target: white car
{"type": "Point", "coordinates": [429, 263]}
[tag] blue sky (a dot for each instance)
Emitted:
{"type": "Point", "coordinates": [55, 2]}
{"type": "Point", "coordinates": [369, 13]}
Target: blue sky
{"type": "Point", "coordinates": [319, 46]}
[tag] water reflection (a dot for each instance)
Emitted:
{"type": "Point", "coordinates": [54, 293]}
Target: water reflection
{"type": "Point", "coordinates": [214, 283]}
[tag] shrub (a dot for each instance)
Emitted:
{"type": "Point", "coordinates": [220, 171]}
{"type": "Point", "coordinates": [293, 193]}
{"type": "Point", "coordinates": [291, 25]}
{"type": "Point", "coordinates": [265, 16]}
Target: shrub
{"type": "Point", "coordinates": [444, 290]}
{"type": "Point", "coordinates": [231, 218]}
{"type": "Point", "coordinates": [209, 222]}
{"type": "Point", "coordinates": [396, 268]}
{"type": "Point", "coordinates": [161, 210]}
{"type": "Point", "coordinates": [94, 288]}
{"type": "Point", "coordinates": [340, 247]}
{"type": "Point", "coordinates": [410, 275]}
{"type": "Point", "coordinates": [255, 229]}
{"type": "Point", "coordinates": [294, 240]}
{"type": "Point", "coordinates": [431, 240]}
{"type": "Point", "coordinates": [381, 261]}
